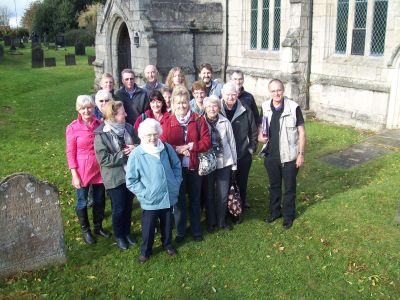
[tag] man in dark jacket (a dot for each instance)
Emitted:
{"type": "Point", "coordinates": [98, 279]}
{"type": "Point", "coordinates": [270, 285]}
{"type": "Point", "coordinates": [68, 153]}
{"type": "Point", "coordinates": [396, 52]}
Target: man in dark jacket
{"type": "Point", "coordinates": [245, 132]}
{"type": "Point", "coordinates": [245, 97]}
{"type": "Point", "coordinates": [134, 98]}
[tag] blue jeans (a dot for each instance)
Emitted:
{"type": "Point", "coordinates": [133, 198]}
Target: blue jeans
{"type": "Point", "coordinates": [149, 218]}
{"type": "Point", "coordinates": [82, 196]}
{"type": "Point", "coordinates": [191, 184]}
{"type": "Point", "coordinates": [122, 200]}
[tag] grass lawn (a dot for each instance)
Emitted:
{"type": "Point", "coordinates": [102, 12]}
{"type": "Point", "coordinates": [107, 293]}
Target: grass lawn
{"type": "Point", "coordinates": [344, 244]}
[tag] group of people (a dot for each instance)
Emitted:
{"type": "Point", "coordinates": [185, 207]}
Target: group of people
{"type": "Point", "coordinates": [145, 142]}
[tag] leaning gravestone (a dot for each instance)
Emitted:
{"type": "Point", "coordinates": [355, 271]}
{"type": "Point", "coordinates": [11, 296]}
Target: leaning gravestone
{"type": "Point", "coordinates": [31, 227]}
{"type": "Point", "coordinates": [50, 62]}
{"type": "Point", "coordinates": [80, 49]}
{"type": "Point", "coordinates": [70, 60]}
{"type": "Point", "coordinates": [37, 57]}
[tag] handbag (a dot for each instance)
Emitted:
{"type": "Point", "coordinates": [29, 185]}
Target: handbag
{"type": "Point", "coordinates": [234, 201]}
{"type": "Point", "coordinates": [207, 162]}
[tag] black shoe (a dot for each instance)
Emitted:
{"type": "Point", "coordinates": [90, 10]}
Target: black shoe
{"type": "Point", "coordinates": [287, 224]}
{"type": "Point", "coordinates": [142, 259]}
{"type": "Point", "coordinates": [171, 251]}
{"type": "Point", "coordinates": [121, 244]}
{"type": "Point", "coordinates": [226, 227]}
{"type": "Point", "coordinates": [198, 238]}
{"type": "Point", "coordinates": [210, 229]}
{"type": "Point", "coordinates": [246, 205]}
{"type": "Point", "coordinates": [88, 237]}
{"type": "Point", "coordinates": [102, 232]}
{"type": "Point", "coordinates": [239, 219]}
{"type": "Point", "coordinates": [271, 219]}
{"type": "Point", "coordinates": [131, 240]}
{"type": "Point", "coordinates": [179, 239]}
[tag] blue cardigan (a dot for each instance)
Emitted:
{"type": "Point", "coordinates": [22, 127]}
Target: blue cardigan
{"type": "Point", "coordinates": [155, 182]}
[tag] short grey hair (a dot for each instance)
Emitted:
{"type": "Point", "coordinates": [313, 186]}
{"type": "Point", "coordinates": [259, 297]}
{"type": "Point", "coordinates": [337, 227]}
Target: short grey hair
{"type": "Point", "coordinates": [102, 94]}
{"type": "Point", "coordinates": [229, 87]}
{"type": "Point", "coordinates": [212, 100]}
{"type": "Point", "coordinates": [84, 101]}
{"type": "Point", "coordinates": [145, 126]}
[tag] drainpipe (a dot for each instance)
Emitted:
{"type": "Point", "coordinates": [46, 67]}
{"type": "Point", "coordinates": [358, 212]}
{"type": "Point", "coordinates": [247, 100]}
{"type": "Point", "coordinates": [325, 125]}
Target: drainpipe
{"type": "Point", "coordinates": [193, 29]}
{"type": "Point", "coordinates": [226, 36]}
{"type": "Point", "coordinates": [308, 83]}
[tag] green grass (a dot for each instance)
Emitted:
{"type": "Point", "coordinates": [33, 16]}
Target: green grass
{"type": "Point", "coordinates": [344, 243]}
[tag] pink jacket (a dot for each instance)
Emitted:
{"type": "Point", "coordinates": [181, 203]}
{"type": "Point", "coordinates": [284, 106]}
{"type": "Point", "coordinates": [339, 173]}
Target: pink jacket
{"type": "Point", "coordinates": [80, 151]}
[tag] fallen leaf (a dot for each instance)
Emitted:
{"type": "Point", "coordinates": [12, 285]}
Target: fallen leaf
{"type": "Point", "coordinates": [213, 289]}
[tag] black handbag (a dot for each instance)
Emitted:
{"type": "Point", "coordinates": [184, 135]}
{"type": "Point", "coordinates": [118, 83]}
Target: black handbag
{"type": "Point", "coordinates": [234, 201]}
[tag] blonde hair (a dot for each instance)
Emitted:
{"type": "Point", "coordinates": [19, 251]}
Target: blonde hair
{"type": "Point", "coordinates": [111, 109]}
{"type": "Point", "coordinates": [170, 77]}
{"type": "Point", "coordinates": [179, 92]}
{"type": "Point", "coordinates": [84, 101]}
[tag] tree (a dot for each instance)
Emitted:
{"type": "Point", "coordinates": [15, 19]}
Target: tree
{"type": "Point", "coordinates": [88, 19]}
{"type": "Point", "coordinates": [29, 15]}
{"type": "Point", "coordinates": [5, 14]}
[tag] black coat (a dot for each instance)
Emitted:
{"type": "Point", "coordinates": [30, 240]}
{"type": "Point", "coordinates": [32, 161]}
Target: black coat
{"type": "Point", "coordinates": [134, 106]}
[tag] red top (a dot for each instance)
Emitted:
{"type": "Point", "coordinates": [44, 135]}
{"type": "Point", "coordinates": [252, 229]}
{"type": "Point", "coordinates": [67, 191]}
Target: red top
{"type": "Point", "coordinates": [149, 114]}
{"type": "Point", "coordinates": [173, 134]}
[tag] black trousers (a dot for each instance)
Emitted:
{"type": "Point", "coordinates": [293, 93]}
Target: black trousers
{"type": "Point", "coordinates": [149, 219]}
{"type": "Point", "coordinates": [242, 175]}
{"type": "Point", "coordinates": [276, 173]}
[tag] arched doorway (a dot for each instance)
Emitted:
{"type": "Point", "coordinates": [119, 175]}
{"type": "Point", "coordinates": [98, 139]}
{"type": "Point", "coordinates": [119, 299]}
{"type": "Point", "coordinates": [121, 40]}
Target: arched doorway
{"type": "Point", "coordinates": [124, 50]}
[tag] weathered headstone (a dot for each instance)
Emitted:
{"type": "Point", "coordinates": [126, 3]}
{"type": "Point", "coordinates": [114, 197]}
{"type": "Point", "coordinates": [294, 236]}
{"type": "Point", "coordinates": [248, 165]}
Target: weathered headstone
{"type": "Point", "coordinates": [60, 41]}
{"type": "Point", "coordinates": [1, 52]}
{"type": "Point", "coordinates": [70, 59]}
{"type": "Point", "coordinates": [80, 49]}
{"type": "Point", "coordinates": [31, 226]}
{"type": "Point", "coordinates": [91, 59]}
{"type": "Point", "coordinates": [7, 40]}
{"type": "Point", "coordinates": [35, 40]}
{"type": "Point", "coordinates": [50, 62]}
{"type": "Point", "coordinates": [37, 57]}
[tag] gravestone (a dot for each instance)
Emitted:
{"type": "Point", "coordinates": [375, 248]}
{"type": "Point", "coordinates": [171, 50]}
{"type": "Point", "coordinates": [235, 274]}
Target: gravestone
{"type": "Point", "coordinates": [60, 41]}
{"type": "Point", "coordinates": [70, 59]}
{"type": "Point", "coordinates": [31, 226]}
{"type": "Point", "coordinates": [50, 62]}
{"type": "Point", "coordinates": [91, 59]}
{"type": "Point", "coordinates": [80, 49]}
{"type": "Point", "coordinates": [13, 46]}
{"type": "Point", "coordinates": [35, 40]}
{"type": "Point", "coordinates": [7, 40]}
{"type": "Point", "coordinates": [1, 52]}
{"type": "Point", "coordinates": [37, 57]}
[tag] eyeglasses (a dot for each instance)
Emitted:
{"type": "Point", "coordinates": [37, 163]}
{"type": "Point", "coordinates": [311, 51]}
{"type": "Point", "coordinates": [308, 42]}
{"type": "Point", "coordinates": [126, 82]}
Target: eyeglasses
{"type": "Point", "coordinates": [104, 100]}
{"type": "Point", "coordinates": [129, 79]}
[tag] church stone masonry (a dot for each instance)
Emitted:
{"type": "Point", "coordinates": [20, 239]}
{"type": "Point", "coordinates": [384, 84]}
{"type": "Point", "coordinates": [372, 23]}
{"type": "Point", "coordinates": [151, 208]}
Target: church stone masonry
{"type": "Point", "coordinates": [133, 34]}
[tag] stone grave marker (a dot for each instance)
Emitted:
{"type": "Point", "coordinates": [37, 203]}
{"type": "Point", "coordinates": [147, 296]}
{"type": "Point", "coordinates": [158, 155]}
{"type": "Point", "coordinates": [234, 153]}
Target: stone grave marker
{"type": "Point", "coordinates": [1, 52]}
{"type": "Point", "coordinates": [37, 57]}
{"type": "Point", "coordinates": [35, 40]}
{"type": "Point", "coordinates": [70, 59]}
{"type": "Point", "coordinates": [7, 40]}
{"type": "Point", "coordinates": [80, 49]}
{"type": "Point", "coordinates": [50, 62]}
{"type": "Point", "coordinates": [31, 226]}
{"type": "Point", "coordinates": [60, 41]}
{"type": "Point", "coordinates": [91, 59]}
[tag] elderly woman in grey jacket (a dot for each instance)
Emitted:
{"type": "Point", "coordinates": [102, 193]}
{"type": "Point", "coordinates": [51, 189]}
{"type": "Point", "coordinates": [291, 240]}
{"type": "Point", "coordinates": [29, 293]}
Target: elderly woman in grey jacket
{"type": "Point", "coordinates": [115, 139]}
{"type": "Point", "coordinates": [223, 143]}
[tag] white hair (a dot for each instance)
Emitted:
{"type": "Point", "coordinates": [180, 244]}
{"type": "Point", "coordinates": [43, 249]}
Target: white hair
{"type": "Point", "coordinates": [212, 100]}
{"type": "Point", "coordinates": [103, 94]}
{"type": "Point", "coordinates": [146, 125]}
{"type": "Point", "coordinates": [84, 101]}
{"type": "Point", "coordinates": [229, 87]}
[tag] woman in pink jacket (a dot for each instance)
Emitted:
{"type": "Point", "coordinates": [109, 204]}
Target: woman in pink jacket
{"type": "Point", "coordinates": [84, 168]}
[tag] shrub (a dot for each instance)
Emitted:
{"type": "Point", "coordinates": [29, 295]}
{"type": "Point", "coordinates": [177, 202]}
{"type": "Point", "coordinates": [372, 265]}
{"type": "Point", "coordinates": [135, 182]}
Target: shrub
{"type": "Point", "coordinates": [82, 35]}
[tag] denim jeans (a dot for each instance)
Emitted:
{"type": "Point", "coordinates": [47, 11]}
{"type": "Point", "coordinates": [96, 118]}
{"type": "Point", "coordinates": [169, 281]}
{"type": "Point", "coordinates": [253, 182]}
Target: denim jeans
{"type": "Point", "coordinates": [191, 184]}
{"type": "Point", "coordinates": [122, 200]}
{"type": "Point", "coordinates": [82, 196]}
